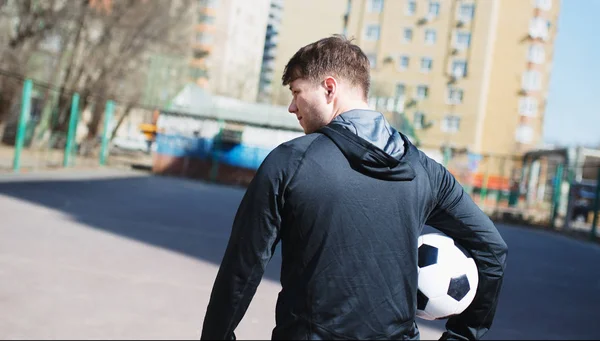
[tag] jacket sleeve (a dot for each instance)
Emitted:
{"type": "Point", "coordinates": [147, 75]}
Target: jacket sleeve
{"type": "Point", "coordinates": [455, 214]}
{"type": "Point", "coordinates": [254, 236]}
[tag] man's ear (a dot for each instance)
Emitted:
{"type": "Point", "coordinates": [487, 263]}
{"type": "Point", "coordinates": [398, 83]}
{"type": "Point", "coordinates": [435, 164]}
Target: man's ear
{"type": "Point", "coordinates": [331, 87]}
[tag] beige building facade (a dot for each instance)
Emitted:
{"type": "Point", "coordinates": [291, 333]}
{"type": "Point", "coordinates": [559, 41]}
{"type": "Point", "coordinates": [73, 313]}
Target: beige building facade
{"type": "Point", "coordinates": [302, 22]}
{"type": "Point", "coordinates": [470, 74]}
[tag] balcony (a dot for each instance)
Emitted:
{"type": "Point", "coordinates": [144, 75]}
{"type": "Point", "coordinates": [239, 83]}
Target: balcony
{"type": "Point", "coordinates": [272, 29]}
{"type": "Point", "coordinates": [524, 134]}
{"type": "Point", "coordinates": [266, 75]}
{"type": "Point", "coordinates": [538, 29]}
{"type": "Point", "coordinates": [268, 65]}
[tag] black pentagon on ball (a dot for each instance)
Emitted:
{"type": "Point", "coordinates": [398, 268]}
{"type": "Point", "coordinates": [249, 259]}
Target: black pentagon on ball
{"type": "Point", "coordinates": [427, 255]}
{"type": "Point", "coordinates": [421, 300]}
{"type": "Point", "coordinates": [459, 287]}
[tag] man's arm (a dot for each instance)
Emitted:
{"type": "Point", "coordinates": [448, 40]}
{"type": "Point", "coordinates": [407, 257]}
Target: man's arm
{"type": "Point", "coordinates": [456, 215]}
{"type": "Point", "coordinates": [253, 239]}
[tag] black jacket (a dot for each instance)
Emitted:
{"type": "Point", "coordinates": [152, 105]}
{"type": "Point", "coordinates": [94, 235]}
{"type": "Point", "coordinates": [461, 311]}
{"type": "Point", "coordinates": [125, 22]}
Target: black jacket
{"type": "Point", "coordinates": [348, 204]}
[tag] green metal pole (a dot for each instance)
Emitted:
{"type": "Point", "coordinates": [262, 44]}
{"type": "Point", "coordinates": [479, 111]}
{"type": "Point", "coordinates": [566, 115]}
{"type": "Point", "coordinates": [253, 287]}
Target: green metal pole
{"type": "Point", "coordinates": [447, 155]}
{"type": "Point", "coordinates": [484, 186]}
{"type": "Point", "coordinates": [596, 207]}
{"type": "Point", "coordinates": [500, 188]}
{"type": "Point", "coordinates": [556, 193]}
{"type": "Point", "coordinates": [72, 129]}
{"type": "Point", "coordinates": [22, 126]}
{"type": "Point", "coordinates": [214, 170]}
{"type": "Point", "coordinates": [485, 180]}
{"type": "Point", "coordinates": [108, 114]}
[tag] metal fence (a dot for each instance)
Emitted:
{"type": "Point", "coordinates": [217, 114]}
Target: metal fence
{"type": "Point", "coordinates": [558, 189]}
{"type": "Point", "coordinates": [46, 127]}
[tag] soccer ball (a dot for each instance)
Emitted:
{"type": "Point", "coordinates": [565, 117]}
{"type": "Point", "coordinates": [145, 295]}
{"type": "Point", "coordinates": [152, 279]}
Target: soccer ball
{"type": "Point", "coordinates": [448, 278]}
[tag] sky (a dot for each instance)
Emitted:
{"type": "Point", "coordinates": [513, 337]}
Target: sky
{"type": "Point", "coordinates": [573, 110]}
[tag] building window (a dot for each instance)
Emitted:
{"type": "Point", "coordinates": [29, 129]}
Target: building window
{"type": "Point", "coordinates": [384, 104]}
{"type": "Point", "coordinates": [426, 64]}
{"type": "Point", "coordinates": [206, 19]}
{"type": "Point", "coordinates": [538, 28]}
{"type": "Point", "coordinates": [434, 9]}
{"type": "Point", "coordinates": [532, 80]}
{"type": "Point", "coordinates": [198, 73]}
{"type": "Point", "coordinates": [373, 32]}
{"type": "Point", "coordinates": [419, 120]}
{"type": "Point", "coordinates": [422, 92]}
{"type": "Point", "coordinates": [375, 5]}
{"type": "Point", "coordinates": [199, 54]}
{"type": "Point", "coordinates": [455, 95]}
{"type": "Point", "coordinates": [459, 68]}
{"type": "Point", "coordinates": [204, 38]}
{"type": "Point", "coordinates": [528, 106]}
{"type": "Point", "coordinates": [451, 124]}
{"type": "Point", "coordinates": [408, 34]}
{"type": "Point", "coordinates": [411, 7]}
{"type": "Point", "coordinates": [544, 5]}
{"type": "Point", "coordinates": [462, 40]}
{"type": "Point", "coordinates": [430, 36]}
{"type": "Point", "coordinates": [466, 12]}
{"type": "Point", "coordinates": [524, 134]}
{"type": "Point", "coordinates": [400, 90]}
{"type": "Point", "coordinates": [404, 60]}
{"type": "Point", "coordinates": [372, 60]}
{"type": "Point", "coordinates": [536, 54]}
{"type": "Point", "coordinates": [207, 3]}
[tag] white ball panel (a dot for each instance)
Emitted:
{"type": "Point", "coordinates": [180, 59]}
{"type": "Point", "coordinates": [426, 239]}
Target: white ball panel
{"type": "Point", "coordinates": [434, 280]}
{"type": "Point", "coordinates": [441, 306]}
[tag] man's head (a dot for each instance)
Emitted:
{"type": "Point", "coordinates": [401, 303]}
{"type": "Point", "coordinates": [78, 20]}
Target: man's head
{"type": "Point", "coordinates": [327, 78]}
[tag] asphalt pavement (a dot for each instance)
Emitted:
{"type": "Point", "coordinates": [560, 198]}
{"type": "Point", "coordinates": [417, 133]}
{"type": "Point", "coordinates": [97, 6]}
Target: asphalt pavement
{"type": "Point", "coordinates": [114, 254]}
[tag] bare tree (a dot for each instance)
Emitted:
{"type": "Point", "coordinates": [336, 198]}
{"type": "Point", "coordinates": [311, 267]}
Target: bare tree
{"type": "Point", "coordinates": [104, 46]}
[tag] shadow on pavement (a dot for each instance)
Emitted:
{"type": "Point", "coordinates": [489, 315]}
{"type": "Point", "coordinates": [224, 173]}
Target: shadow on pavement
{"type": "Point", "coordinates": [191, 218]}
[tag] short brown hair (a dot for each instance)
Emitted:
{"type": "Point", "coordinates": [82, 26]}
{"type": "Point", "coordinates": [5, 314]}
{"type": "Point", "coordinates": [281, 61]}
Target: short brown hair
{"type": "Point", "coordinates": [333, 55]}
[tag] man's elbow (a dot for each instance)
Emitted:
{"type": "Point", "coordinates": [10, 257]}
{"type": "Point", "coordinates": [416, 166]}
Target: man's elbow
{"type": "Point", "coordinates": [504, 251]}
{"type": "Point", "coordinates": [500, 251]}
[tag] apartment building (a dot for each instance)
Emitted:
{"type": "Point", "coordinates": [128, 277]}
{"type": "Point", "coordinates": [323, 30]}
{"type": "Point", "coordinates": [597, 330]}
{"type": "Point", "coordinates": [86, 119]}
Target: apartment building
{"type": "Point", "coordinates": [270, 51]}
{"type": "Point", "coordinates": [228, 45]}
{"type": "Point", "coordinates": [470, 74]}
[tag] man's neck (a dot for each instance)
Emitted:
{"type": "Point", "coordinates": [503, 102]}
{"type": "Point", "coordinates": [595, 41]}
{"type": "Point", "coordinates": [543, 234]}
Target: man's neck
{"type": "Point", "coordinates": [353, 105]}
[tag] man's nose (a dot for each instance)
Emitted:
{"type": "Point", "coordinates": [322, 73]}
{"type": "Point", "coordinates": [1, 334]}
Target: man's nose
{"type": "Point", "coordinates": [293, 108]}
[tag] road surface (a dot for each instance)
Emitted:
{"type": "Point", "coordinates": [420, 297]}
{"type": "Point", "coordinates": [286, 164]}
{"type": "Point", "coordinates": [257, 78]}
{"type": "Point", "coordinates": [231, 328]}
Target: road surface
{"type": "Point", "coordinates": [116, 254]}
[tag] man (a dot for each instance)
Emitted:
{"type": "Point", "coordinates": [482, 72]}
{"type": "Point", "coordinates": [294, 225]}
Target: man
{"type": "Point", "coordinates": [348, 202]}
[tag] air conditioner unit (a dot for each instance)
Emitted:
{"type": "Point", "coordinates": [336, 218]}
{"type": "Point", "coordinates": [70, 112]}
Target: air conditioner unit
{"type": "Point", "coordinates": [460, 23]}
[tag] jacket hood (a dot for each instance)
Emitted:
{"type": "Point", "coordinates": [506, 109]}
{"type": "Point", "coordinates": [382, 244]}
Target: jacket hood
{"type": "Point", "coordinates": [371, 145]}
